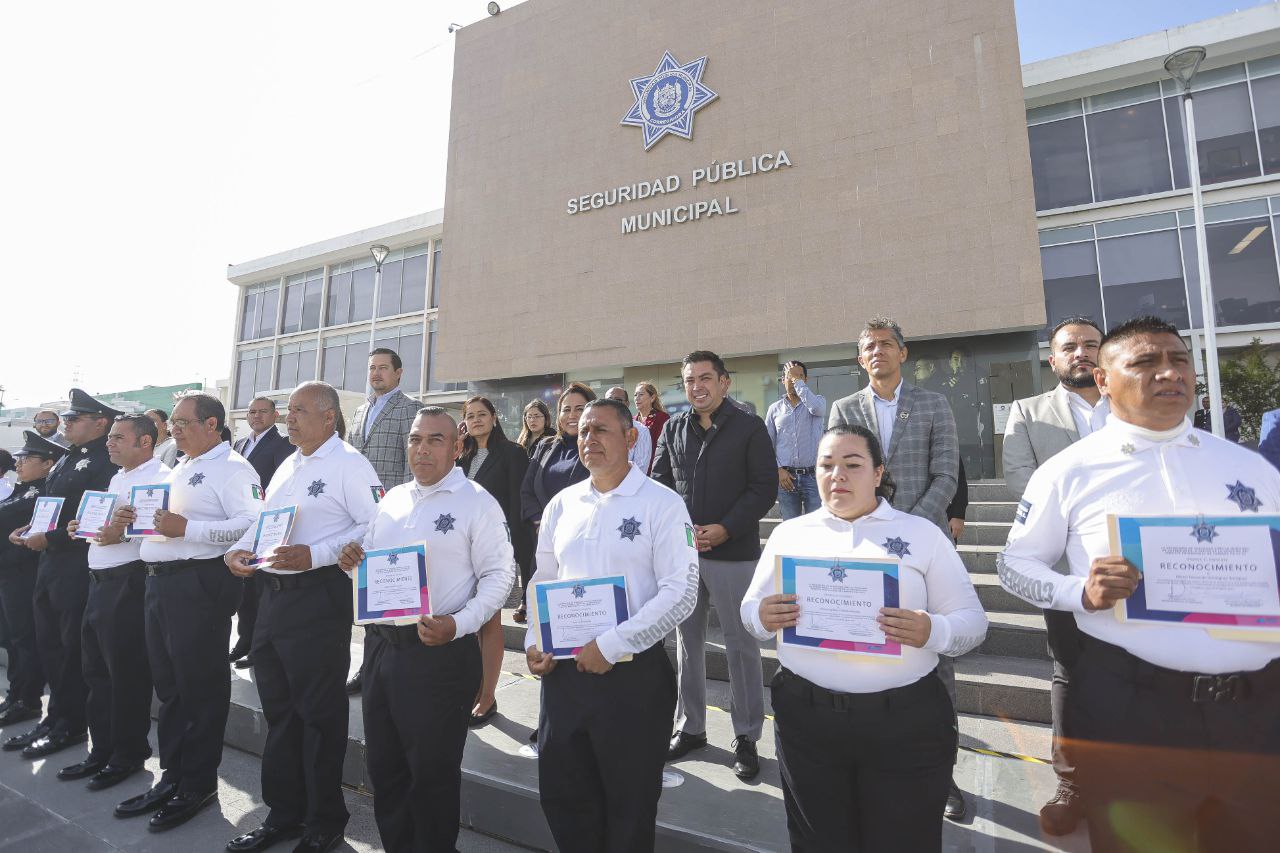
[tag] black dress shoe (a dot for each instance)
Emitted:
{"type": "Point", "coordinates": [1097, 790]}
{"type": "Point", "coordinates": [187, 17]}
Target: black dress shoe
{"type": "Point", "coordinates": [24, 740]}
{"type": "Point", "coordinates": [684, 743]}
{"type": "Point", "coordinates": [147, 802]}
{"type": "Point", "coordinates": [746, 761]}
{"type": "Point", "coordinates": [83, 770]}
{"type": "Point", "coordinates": [111, 775]}
{"type": "Point", "coordinates": [262, 838]}
{"type": "Point", "coordinates": [51, 743]}
{"type": "Point", "coordinates": [478, 720]}
{"type": "Point", "coordinates": [19, 712]}
{"type": "Point", "coordinates": [353, 683]}
{"type": "Point", "coordinates": [181, 807]}
{"type": "Point", "coordinates": [956, 809]}
{"type": "Point", "coordinates": [318, 842]}
{"type": "Point", "coordinates": [6, 704]}
{"type": "Point", "coordinates": [244, 662]}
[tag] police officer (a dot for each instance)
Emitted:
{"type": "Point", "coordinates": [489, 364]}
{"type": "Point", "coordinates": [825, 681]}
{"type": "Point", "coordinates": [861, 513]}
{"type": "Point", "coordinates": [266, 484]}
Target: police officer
{"type": "Point", "coordinates": [603, 732]}
{"type": "Point", "coordinates": [190, 597]}
{"type": "Point", "coordinates": [18, 581]}
{"type": "Point", "coordinates": [1173, 728]}
{"type": "Point", "coordinates": [302, 639]}
{"type": "Point", "coordinates": [114, 642]}
{"type": "Point", "coordinates": [62, 582]}
{"type": "Point", "coordinates": [420, 680]}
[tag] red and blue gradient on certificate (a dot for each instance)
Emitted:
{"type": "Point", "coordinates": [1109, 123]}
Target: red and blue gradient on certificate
{"type": "Point", "coordinates": [842, 586]}
{"type": "Point", "coordinates": [583, 591]}
{"type": "Point", "coordinates": [405, 559]}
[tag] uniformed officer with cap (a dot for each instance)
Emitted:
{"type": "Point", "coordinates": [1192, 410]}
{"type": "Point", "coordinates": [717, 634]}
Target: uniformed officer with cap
{"type": "Point", "coordinates": [18, 579]}
{"type": "Point", "coordinates": [62, 582]}
{"type": "Point", "coordinates": [602, 738]}
{"type": "Point", "coordinates": [1172, 727]}
{"type": "Point", "coordinates": [420, 681]}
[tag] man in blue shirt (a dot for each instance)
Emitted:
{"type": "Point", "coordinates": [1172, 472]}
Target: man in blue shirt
{"type": "Point", "coordinates": [795, 425]}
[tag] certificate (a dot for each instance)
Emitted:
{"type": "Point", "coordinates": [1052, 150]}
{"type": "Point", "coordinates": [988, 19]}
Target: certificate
{"type": "Point", "coordinates": [94, 513]}
{"type": "Point", "coordinates": [145, 500]}
{"type": "Point", "coordinates": [840, 600]}
{"type": "Point", "coordinates": [572, 613]}
{"type": "Point", "coordinates": [45, 515]}
{"type": "Point", "coordinates": [390, 586]}
{"type": "Point", "coordinates": [1215, 571]}
{"type": "Point", "coordinates": [274, 527]}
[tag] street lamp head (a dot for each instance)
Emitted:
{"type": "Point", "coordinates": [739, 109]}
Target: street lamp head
{"type": "Point", "coordinates": [1182, 65]}
{"type": "Point", "coordinates": [379, 253]}
{"type": "Point", "coordinates": [493, 8]}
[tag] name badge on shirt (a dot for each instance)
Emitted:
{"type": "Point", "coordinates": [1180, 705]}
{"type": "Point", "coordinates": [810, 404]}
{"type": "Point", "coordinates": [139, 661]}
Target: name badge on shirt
{"type": "Point", "coordinates": [572, 613]}
{"type": "Point", "coordinates": [839, 602]}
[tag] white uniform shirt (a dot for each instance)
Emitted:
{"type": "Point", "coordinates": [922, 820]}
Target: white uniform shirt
{"type": "Point", "coordinates": [886, 414]}
{"type": "Point", "coordinates": [1089, 418]}
{"type": "Point", "coordinates": [640, 530]}
{"type": "Point", "coordinates": [148, 473]}
{"type": "Point", "coordinates": [219, 495]}
{"type": "Point", "coordinates": [931, 577]}
{"type": "Point", "coordinates": [1126, 470]}
{"type": "Point", "coordinates": [470, 564]}
{"type": "Point", "coordinates": [334, 490]}
{"type": "Point", "coordinates": [642, 454]}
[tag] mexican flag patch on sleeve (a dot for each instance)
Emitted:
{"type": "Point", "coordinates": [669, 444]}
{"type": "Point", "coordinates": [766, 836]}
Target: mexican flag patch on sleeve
{"type": "Point", "coordinates": [688, 535]}
{"type": "Point", "coordinates": [256, 491]}
{"type": "Point", "coordinates": [378, 493]}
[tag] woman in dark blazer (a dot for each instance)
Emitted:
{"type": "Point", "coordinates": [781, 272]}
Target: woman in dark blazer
{"type": "Point", "coordinates": [554, 462]}
{"type": "Point", "coordinates": [537, 426]}
{"type": "Point", "coordinates": [493, 461]}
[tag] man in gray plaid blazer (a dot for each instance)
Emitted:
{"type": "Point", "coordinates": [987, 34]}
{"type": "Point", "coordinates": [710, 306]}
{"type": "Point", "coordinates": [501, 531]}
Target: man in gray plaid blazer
{"type": "Point", "coordinates": [921, 450]}
{"type": "Point", "coordinates": [380, 428]}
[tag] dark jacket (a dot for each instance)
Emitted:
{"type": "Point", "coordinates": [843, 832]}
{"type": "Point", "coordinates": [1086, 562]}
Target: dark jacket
{"type": "Point", "coordinates": [86, 468]}
{"type": "Point", "coordinates": [728, 478]}
{"type": "Point", "coordinates": [534, 493]}
{"type": "Point", "coordinates": [960, 503]}
{"type": "Point", "coordinates": [15, 513]}
{"type": "Point", "coordinates": [271, 450]}
{"type": "Point", "coordinates": [1231, 421]}
{"type": "Point", "coordinates": [502, 473]}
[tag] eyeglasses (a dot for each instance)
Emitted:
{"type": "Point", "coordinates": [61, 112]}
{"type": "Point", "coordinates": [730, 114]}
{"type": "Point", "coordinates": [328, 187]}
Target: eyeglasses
{"type": "Point", "coordinates": [70, 419]}
{"type": "Point", "coordinates": [45, 421]}
{"type": "Point", "coordinates": [180, 423]}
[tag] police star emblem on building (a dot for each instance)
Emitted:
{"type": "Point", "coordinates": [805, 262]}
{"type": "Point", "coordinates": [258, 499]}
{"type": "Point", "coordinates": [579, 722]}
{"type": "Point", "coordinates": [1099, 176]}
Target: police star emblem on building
{"type": "Point", "coordinates": [629, 529]}
{"type": "Point", "coordinates": [667, 99]}
{"type": "Point", "coordinates": [1204, 532]}
{"type": "Point", "coordinates": [444, 523]}
{"type": "Point", "coordinates": [1243, 497]}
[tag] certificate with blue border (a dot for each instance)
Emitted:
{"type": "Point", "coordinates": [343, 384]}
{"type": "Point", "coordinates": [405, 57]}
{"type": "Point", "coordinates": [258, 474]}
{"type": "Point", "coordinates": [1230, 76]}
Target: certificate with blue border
{"type": "Point", "coordinates": [1203, 571]}
{"type": "Point", "coordinates": [271, 532]}
{"type": "Point", "coordinates": [44, 515]}
{"type": "Point", "coordinates": [390, 586]}
{"type": "Point", "coordinates": [147, 499]}
{"type": "Point", "coordinates": [99, 506]}
{"type": "Point", "coordinates": [579, 609]}
{"type": "Point", "coordinates": [841, 585]}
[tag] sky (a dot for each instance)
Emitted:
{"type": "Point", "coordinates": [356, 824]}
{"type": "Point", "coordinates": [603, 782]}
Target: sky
{"type": "Point", "coordinates": [150, 144]}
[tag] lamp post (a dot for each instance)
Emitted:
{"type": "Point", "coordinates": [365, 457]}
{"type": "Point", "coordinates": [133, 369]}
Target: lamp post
{"type": "Point", "coordinates": [379, 253]}
{"type": "Point", "coordinates": [1182, 66]}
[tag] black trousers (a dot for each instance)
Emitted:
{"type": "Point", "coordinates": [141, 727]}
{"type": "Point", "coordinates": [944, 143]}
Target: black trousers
{"type": "Point", "coordinates": [1064, 649]}
{"type": "Point", "coordinates": [189, 605]}
{"type": "Point", "coordinates": [26, 674]}
{"type": "Point", "coordinates": [864, 772]}
{"type": "Point", "coordinates": [301, 653]}
{"type": "Point", "coordinates": [62, 589]}
{"type": "Point", "coordinates": [247, 615]}
{"type": "Point", "coordinates": [417, 702]}
{"type": "Point", "coordinates": [602, 742]}
{"type": "Point", "coordinates": [1158, 757]}
{"type": "Point", "coordinates": [114, 658]}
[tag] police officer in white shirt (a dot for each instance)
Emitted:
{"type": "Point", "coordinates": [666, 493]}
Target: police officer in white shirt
{"type": "Point", "coordinates": [214, 496]}
{"type": "Point", "coordinates": [1174, 729]}
{"type": "Point", "coordinates": [866, 747]}
{"type": "Point", "coordinates": [113, 641]}
{"type": "Point", "coordinates": [302, 638]}
{"type": "Point", "coordinates": [420, 681]}
{"type": "Point", "coordinates": [605, 722]}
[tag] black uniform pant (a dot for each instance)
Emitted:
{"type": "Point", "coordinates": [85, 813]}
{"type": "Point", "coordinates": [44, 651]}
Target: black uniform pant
{"type": "Point", "coordinates": [602, 742]}
{"type": "Point", "coordinates": [1171, 759]}
{"type": "Point", "coordinates": [26, 674]}
{"type": "Point", "coordinates": [114, 650]}
{"type": "Point", "coordinates": [188, 608]}
{"type": "Point", "coordinates": [62, 589]}
{"type": "Point", "coordinates": [301, 653]}
{"type": "Point", "coordinates": [417, 702]}
{"type": "Point", "coordinates": [247, 615]}
{"type": "Point", "coordinates": [1064, 650]}
{"type": "Point", "coordinates": [864, 772]}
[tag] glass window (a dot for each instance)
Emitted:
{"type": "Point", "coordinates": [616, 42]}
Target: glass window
{"type": "Point", "coordinates": [435, 275]}
{"type": "Point", "coordinates": [414, 293]}
{"type": "Point", "coordinates": [432, 383]}
{"type": "Point", "coordinates": [1266, 109]}
{"type": "Point", "coordinates": [1070, 283]}
{"type": "Point", "coordinates": [301, 302]}
{"type": "Point", "coordinates": [361, 294]}
{"type": "Point", "coordinates": [292, 320]}
{"type": "Point", "coordinates": [1059, 164]}
{"type": "Point", "coordinates": [306, 362]}
{"type": "Point", "coordinates": [357, 370]}
{"type": "Point", "coordinates": [1191, 270]}
{"type": "Point", "coordinates": [244, 381]}
{"type": "Point", "coordinates": [1175, 123]}
{"type": "Point", "coordinates": [1128, 151]}
{"type": "Point", "coordinates": [249, 322]}
{"type": "Point", "coordinates": [1224, 134]}
{"type": "Point", "coordinates": [1142, 274]}
{"type": "Point", "coordinates": [335, 361]}
{"type": "Point", "coordinates": [410, 352]}
{"type": "Point", "coordinates": [339, 307]}
{"type": "Point", "coordinates": [389, 295]}
{"type": "Point", "coordinates": [1242, 268]}
{"type": "Point", "coordinates": [287, 373]}
{"type": "Point", "coordinates": [311, 304]}
{"type": "Point", "coordinates": [267, 312]}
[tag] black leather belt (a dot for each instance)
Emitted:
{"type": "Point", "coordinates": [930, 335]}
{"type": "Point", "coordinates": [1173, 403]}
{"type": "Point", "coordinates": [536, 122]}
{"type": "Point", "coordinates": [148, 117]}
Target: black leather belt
{"type": "Point", "coordinates": [1194, 686]}
{"type": "Point", "coordinates": [298, 580]}
{"type": "Point", "coordinates": [396, 635]}
{"type": "Point", "coordinates": [798, 472]}
{"type": "Point", "coordinates": [788, 682]}
{"type": "Point", "coordinates": [116, 572]}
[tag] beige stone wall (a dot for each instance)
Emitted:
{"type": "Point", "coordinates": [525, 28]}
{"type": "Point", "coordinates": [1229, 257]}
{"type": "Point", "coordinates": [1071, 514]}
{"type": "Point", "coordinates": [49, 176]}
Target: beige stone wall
{"type": "Point", "coordinates": [910, 191]}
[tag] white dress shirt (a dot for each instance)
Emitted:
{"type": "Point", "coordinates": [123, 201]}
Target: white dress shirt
{"type": "Point", "coordinates": [1089, 418]}
{"type": "Point", "coordinates": [642, 454]}
{"type": "Point", "coordinates": [640, 530]}
{"type": "Point", "coordinates": [335, 491]}
{"type": "Point", "coordinates": [148, 473]}
{"type": "Point", "coordinates": [886, 414]}
{"type": "Point", "coordinates": [470, 564]}
{"type": "Point", "coordinates": [219, 495]}
{"type": "Point", "coordinates": [1123, 469]}
{"type": "Point", "coordinates": [931, 577]}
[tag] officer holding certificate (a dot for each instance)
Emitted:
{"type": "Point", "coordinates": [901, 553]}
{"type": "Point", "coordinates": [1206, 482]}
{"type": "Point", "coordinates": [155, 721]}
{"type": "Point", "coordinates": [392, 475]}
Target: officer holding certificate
{"type": "Point", "coordinates": [114, 635]}
{"type": "Point", "coordinates": [1173, 722]}
{"type": "Point", "coordinates": [190, 596]}
{"type": "Point", "coordinates": [865, 729]}
{"type": "Point", "coordinates": [420, 680]}
{"type": "Point", "coordinates": [302, 639]}
{"type": "Point", "coordinates": [603, 733]}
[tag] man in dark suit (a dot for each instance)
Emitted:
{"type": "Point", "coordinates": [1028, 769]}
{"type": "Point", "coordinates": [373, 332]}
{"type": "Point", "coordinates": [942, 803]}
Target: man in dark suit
{"type": "Point", "coordinates": [265, 448]}
{"type": "Point", "coordinates": [1230, 419]}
